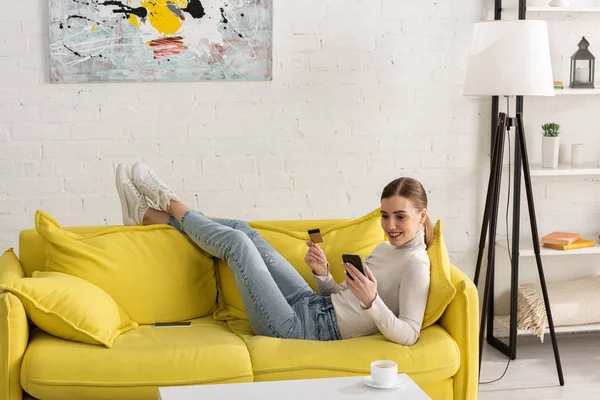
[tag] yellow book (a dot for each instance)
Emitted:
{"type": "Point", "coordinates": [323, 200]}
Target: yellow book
{"type": "Point", "coordinates": [578, 244]}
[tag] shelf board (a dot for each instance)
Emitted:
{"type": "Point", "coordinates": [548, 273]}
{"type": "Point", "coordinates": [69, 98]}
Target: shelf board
{"type": "Point", "coordinates": [576, 92]}
{"type": "Point", "coordinates": [565, 170]}
{"type": "Point", "coordinates": [543, 9]}
{"type": "Point", "coordinates": [501, 328]}
{"type": "Point", "coordinates": [528, 252]}
{"type": "Point", "coordinates": [563, 9]}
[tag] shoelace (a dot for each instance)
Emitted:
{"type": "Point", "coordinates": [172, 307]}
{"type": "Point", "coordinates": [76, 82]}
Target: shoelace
{"type": "Point", "coordinates": [156, 187]}
{"type": "Point", "coordinates": [157, 184]}
{"type": "Point", "coordinates": [138, 195]}
{"type": "Point", "coordinates": [162, 193]}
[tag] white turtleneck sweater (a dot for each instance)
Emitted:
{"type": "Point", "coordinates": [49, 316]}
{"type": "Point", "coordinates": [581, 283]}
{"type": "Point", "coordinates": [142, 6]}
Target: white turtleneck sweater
{"type": "Point", "coordinates": [397, 312]}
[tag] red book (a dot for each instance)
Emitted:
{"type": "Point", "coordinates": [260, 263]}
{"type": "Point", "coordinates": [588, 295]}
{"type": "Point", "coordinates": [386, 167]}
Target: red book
{"type": "Point", "coordinates": [560, 238]}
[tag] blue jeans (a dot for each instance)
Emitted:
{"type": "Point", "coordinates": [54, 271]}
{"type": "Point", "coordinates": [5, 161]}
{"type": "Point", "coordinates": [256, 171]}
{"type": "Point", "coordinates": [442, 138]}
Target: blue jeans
{"type": "Point", "coordinates": [278, 301]}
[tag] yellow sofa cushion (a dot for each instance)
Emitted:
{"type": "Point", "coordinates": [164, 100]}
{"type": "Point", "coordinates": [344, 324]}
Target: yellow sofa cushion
{"type": "Point", "coordinates": [433, 358]}
{"type": "Point", "coordinates": [70, 308]}
{"type": "Point", "coordinates": [154, 273]}
{"type": "Point", "coordinates": [358, 236]}
{"type": "Point", "coordinates": [139, 362]}
{"type": "Point", "coordinates": [10, 267]}
{"type": "Point", "coordinates": [441, 289]}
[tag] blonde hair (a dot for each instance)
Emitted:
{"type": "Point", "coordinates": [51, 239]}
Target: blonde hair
{"type": "Point", "coordinates": [412, 190]}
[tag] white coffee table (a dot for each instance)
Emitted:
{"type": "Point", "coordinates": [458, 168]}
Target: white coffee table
{"type": "Point", "coordinates": [329, 388]}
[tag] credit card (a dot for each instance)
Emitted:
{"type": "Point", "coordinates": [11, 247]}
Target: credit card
{"type": "Point", "coordinates": [315, 235]}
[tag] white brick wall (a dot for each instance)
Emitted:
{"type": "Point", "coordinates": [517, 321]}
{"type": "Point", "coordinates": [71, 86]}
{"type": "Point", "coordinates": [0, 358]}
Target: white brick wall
{"type": "Point", "coordinates": [363, 92]}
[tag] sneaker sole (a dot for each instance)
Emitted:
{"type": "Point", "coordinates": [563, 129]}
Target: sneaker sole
{"type": "Point", "coordinates": [127, 220]}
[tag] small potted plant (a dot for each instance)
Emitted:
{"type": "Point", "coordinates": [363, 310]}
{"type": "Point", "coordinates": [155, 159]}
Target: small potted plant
{"type": "Point", "coordinates": [550, 145]}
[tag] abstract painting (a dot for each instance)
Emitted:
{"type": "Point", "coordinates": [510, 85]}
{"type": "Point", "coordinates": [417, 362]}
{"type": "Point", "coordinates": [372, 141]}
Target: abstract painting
{"type": "Point", "coordinates": [160, 40]}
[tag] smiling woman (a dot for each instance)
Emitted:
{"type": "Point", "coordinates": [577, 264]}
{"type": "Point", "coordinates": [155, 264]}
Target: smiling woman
{"type": "Point", "coordinates": [391, 297]}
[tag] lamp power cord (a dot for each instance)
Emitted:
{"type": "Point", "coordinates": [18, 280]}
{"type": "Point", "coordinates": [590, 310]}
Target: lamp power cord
{"type": "Point", "coordinates": [507, 241]}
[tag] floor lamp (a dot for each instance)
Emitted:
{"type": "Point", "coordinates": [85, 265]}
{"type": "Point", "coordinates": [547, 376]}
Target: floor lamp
{"type": "Point", "coordinates": [509, 58]}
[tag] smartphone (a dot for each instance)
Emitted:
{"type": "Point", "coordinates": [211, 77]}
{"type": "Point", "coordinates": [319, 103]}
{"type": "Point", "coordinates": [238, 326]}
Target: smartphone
{"type": "Point", "coordinates": [315, 235]}
{"type": "Point", "coordinates": [181, 324]}
{"type": "Point", "coordinates": [355, 260]}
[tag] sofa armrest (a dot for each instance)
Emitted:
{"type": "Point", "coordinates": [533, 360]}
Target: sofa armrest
{"type": "Point", "coordinates": [14, 330]}
{"type": "Point", "coordinates": [461, 320]}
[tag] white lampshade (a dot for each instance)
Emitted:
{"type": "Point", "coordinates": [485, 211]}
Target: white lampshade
{"type": "Point", "coordinates": [510, 58]}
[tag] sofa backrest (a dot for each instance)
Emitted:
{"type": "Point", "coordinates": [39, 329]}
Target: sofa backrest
{"type": "Point", "coordinates": [184, 286]}
{"type": "Point", "coordinates": [32, 246]}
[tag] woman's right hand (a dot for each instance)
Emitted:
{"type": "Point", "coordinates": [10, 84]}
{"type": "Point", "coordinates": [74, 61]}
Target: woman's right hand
{"type": "Point", "coordinates": [315, 259]}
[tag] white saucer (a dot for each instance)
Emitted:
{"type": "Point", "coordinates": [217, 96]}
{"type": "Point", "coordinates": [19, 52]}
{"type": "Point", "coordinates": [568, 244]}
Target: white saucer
{"type": "Point", "coordinates": [400, 381]}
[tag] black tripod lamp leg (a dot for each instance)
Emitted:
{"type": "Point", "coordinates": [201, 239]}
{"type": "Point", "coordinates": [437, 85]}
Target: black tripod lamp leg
{"type": "Point", "coordinates": [488, 200]}
{"type": "Point", "coordinates": [536, 243]}
{"type": "Point", "coordinates": [491, 208]}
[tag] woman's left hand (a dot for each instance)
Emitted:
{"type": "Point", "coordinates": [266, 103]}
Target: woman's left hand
{"type": "Point", "coordinates": [363, 287]}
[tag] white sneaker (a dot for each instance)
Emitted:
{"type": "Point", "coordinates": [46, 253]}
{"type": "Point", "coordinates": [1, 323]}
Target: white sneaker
{"type": "Point", "coordinates": [133, 203]}
{"type": "Point", "coordinates": [146, 180]}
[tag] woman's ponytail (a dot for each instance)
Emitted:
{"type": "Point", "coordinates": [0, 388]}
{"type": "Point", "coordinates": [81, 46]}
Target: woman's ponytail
{"type": "Point", "coordinates": [428, 228]}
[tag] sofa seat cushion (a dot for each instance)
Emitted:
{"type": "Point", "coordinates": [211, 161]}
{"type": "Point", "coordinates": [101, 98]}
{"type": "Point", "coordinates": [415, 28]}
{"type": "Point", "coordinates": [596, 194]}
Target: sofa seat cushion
{"type": "Point", "coordinates": [140, 361]}
{"type": "Point", "coordinates": [433, 358]}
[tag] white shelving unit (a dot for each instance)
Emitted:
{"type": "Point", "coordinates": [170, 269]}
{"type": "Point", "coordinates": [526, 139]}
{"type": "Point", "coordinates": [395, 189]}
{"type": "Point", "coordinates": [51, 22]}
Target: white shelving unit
{"type": "Point", "coordinates": [565, 170]}
{"type": "Point", "coordinates": [589, 169]}
{"type": "Point", "coordinates": [501, 328]}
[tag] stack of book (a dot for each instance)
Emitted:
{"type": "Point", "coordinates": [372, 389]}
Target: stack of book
{"type": "Point", "coordinates": [558, 85]}
{"type": "Point", "coordinates": [565, 241]}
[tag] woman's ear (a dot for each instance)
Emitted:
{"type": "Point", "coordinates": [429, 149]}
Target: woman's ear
{"type": "Point", "coordinates": [423, 216]}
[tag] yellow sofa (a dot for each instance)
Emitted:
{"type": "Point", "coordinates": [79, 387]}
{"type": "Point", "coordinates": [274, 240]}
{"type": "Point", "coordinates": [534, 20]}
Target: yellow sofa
{"type": "Point", "coordinates": [220, 347]}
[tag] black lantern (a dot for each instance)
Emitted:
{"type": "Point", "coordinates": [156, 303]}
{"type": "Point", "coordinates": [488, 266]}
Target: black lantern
{"type": "Point", "coordinates": [582, 66]}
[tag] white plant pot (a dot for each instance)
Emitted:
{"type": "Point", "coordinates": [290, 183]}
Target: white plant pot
{"type": "Point", "coordinates": [550, 146]}
{"type": "Point", "coordinates": [559, 3]}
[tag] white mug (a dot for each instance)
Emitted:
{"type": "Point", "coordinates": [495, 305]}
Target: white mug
{"type": "Point", "coordinates": [577, 154]}
{"type": "Point", "coordinates": [564, 154]}
{"type": "Point", "coordinates": [384, 372]}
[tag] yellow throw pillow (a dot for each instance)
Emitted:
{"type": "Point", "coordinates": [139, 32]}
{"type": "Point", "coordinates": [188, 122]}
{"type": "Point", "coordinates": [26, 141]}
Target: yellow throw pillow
{"type": "Point", "coordinates": [71, 308]}
{"type": "Point", "coordinates": [10, 267]}
{"type": "Point", "coordinates": [441, 289]}
{"type": "Point", "coordinates": [357, 236]}
{"type": "Point", "coordinates": [154, 272]}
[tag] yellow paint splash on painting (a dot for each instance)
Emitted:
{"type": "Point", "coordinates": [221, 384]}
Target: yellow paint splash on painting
{"type": "Point", "coordinates": [93, 28]}
{"type": "Point", "coordinates": [161, 18]}
{"type": "Point", "coordinates": [133, 20]}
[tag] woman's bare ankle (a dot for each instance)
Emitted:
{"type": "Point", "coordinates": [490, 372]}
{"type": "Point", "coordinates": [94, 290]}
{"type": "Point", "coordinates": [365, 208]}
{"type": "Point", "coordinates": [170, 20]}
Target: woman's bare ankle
{"type": "Point", "coordinates": [177, 209]}
{"type": "Point", "coordinates": [155, 217]}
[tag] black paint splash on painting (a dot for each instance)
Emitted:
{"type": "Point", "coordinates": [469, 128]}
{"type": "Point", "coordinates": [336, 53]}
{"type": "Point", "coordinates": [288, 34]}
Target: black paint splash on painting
{"type": "Point", "coordinates": [223, 18]}
{"type": "Point", "coordinates": [141, 12]}
{"type": "Point", "coordinates": [195, 9]}
{"type": "Point", "coordinates": [70, 17]}
{"type": "Point", "coordinates": [72, 51]}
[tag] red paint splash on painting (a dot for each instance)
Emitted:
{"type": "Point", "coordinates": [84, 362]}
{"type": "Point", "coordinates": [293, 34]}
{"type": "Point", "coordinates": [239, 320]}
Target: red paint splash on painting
{"type": "Point", "coordinates": [216, 54]}
{"type": "Point", "coordinates": [166, 47]}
